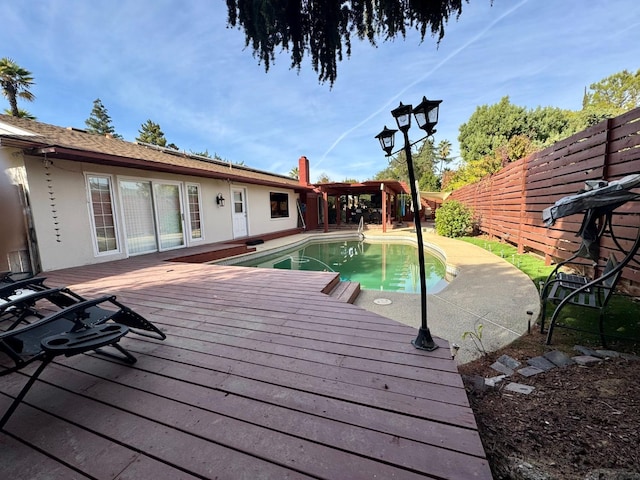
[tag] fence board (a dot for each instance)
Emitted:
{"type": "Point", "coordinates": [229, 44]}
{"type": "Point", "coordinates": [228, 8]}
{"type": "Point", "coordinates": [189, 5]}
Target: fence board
{"type": "Point", "coordinates": [509, 203]}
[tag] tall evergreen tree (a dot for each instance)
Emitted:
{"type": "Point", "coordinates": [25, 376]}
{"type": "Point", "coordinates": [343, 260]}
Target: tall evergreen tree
{"type": "Point", "coordinates": [150, 132]}
{"type": "Point", "coordinates": [15, 82]}
{"type": "Point", "coordinates": [99, 121]}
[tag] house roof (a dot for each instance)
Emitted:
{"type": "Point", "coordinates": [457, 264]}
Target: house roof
{"type": "Point", "coordinates": [41, 139]}
{"type": "Point", "coordinates": [369, 186]}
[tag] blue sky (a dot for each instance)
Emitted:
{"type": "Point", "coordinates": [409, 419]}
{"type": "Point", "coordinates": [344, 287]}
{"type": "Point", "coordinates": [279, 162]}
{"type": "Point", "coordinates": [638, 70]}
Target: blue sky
{"type": "Point", "coordinates": [176, 63]}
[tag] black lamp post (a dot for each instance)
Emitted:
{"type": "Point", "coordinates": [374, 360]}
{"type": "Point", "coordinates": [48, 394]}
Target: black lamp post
{"type": "Point", "coordinates": [426, 114]}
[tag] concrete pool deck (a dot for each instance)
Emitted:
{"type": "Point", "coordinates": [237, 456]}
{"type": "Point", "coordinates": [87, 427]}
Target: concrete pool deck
{"type": "Point", "coordinates": [487, 290]}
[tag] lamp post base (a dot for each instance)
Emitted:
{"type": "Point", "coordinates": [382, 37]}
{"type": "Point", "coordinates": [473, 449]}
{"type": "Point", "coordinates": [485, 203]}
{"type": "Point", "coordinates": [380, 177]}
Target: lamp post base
{"type": "Point", "coordinates": [424, 341]}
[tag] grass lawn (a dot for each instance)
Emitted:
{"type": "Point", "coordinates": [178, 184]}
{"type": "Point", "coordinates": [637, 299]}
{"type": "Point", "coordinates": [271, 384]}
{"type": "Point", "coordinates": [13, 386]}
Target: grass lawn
{"type": "Point", "coordinates": [622, 313]}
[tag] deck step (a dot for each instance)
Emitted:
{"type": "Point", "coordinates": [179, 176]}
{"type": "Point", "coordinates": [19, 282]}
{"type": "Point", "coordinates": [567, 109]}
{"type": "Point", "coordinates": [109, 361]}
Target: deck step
{"type": "Point", "coordinates": [215, 252]}
{"type": "Point", "coordinates": [346, 292]}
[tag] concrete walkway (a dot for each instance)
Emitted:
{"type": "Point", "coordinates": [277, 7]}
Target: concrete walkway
{"type": "Point", "coordinates": [484, 290]}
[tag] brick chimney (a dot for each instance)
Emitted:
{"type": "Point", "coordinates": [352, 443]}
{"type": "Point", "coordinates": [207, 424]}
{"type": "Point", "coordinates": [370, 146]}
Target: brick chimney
{"type": "Point", "coordinates": [303, 170]}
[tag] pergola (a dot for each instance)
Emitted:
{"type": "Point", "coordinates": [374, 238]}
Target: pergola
{"type": "Point", "coordinates": [390, 189]}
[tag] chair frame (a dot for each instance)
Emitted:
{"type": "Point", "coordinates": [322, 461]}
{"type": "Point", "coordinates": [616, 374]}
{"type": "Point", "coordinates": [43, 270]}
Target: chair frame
{"type": "Point", "coordinates": [563, 288]}
{"type": "Point", "coordinates": [582, 292]}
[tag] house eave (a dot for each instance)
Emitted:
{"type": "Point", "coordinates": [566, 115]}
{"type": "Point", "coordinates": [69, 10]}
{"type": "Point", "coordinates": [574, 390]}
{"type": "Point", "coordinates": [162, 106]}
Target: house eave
{"type": "Point", "coordinates": [99, 158]}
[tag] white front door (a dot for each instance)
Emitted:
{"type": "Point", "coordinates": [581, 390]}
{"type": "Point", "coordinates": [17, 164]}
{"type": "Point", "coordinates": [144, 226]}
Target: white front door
{"type": "Point", "coordinates": [239, 209]}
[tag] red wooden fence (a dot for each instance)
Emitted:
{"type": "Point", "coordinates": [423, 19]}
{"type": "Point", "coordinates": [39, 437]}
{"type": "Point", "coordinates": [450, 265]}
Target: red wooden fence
{"type": "Point", "coordinates": [509, 203]}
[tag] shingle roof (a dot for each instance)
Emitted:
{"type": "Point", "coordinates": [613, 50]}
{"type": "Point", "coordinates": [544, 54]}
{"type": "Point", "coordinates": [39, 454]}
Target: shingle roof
{"type": "Point", "coordinates": [78, 145]}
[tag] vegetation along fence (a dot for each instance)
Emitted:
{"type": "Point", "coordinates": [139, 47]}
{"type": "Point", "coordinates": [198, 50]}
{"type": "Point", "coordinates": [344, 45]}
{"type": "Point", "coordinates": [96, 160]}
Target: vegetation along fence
{"type": "Point", "coordinates": [509, 203]}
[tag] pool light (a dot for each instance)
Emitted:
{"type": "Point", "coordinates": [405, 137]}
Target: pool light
{"type": "Point", "coordinates": [426, 114]}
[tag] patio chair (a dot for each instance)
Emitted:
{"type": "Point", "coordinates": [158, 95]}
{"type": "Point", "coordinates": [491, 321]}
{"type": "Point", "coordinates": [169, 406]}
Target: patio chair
{"type": "Point", "coordinates": [108, 308]}
{"type": "Point", "coordinates": [21, 308]}
{"type": "Point", "coordinates": [580, 291]}
{"type": "Point", "coordinates": [65, 332]}
{"type": "Point", "coordinates": [7, 276]}
{"type": "Point", "coordinates": [12, 287]}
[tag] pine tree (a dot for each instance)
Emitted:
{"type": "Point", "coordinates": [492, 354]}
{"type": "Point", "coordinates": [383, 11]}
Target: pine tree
{"type": "Point", "coordinates": [99, 122]}
{"type": "Point", "coordinates": [151, 133]}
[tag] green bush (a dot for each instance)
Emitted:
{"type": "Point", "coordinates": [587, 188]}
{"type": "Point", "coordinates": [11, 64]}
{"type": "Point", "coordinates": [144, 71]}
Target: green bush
{"type": "Point", "coordinates": [454, 219]}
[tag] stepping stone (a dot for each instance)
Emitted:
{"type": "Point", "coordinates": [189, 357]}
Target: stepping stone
{"type": "Point", "coordinates": [607, 353]}
{"type": "Point", "coordinates": [584, 350]}
{"type": "Point", "coordinates": [629, 356]}
{"type": "Point", "coordinates": [509, 362]}
{"type": "Point", "coordinates": [586, 360]}
{"type": "Point", "coordinates": [541, 363]}
{"type": "Point", "coordinates": [558, 358]}
{"type": "Point", "coordinates": [502, 368]}
{"type": "Point", "coordinates": [519, 388]}
{"type": "Point", "coordinates": [530, 371]}
{"type": "Point", "coordinates": [493, 381]}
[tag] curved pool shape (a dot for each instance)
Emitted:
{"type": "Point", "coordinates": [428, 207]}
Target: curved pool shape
{"type": "Point", "coordinates": [383, 266]}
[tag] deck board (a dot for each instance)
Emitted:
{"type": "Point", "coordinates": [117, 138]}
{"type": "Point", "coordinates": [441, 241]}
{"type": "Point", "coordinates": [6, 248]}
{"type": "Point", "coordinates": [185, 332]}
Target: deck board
{"type": "Point", "coordinates": [262, 375]}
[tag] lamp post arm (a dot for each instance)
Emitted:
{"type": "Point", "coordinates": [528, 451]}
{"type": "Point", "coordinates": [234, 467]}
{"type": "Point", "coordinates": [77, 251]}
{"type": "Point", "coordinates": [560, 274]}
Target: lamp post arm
{"type": "Point", "coordinates": [410, 145]}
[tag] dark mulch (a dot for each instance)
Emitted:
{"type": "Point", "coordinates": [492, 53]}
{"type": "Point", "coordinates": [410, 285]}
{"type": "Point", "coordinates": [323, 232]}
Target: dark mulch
{"type": "Point", "coordinates": [577, 420]}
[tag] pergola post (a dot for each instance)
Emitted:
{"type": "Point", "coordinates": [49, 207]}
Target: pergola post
{"type": "Point", "coordinates": [325, 198]}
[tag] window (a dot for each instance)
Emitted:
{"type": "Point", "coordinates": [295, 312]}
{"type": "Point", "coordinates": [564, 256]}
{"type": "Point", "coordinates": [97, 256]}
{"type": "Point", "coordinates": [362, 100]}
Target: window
{"type": "Point", "coordinates": [102, 214]}
{"type": "Point", "coordinates": [195, 221]}
{"type": "Point", "coordinates": [279, 204]}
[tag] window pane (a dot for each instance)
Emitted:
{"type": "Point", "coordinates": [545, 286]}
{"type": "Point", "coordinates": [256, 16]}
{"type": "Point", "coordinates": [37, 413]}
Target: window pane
{"type": "Point", "coordinates": [102, 214]}
{"type": "Point", "coordinates": [194, 211]}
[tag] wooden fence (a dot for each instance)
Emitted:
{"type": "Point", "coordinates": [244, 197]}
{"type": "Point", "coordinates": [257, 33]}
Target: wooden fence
{"type": "Point", "coordinates": [509, 203]}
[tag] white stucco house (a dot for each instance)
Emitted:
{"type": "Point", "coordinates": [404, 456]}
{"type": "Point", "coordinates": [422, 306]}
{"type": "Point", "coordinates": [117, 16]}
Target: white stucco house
{"type": "Point", "coordinates": [86, 198]}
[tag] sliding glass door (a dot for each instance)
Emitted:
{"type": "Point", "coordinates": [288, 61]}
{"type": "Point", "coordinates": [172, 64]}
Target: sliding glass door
{"type": "Point", "coordinates": [169, 215]}
{"type": "Point", "coordinates": [137, 206]}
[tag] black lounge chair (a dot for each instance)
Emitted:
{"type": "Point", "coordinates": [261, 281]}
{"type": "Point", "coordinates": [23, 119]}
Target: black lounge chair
{"type": "Point", "coordinates": [65, 332]}
{"type": "Point", "coordinates": [9, 289]}
{"type": "Point", "coordinates": [21, 308]}
{"type": "Point", "coordinates": [17, 307]}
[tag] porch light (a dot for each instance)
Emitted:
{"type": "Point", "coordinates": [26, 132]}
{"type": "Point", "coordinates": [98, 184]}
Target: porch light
{"type": "Point", "coordinates": [426, 113]}
{"type": "Point", "coordinates": [220, 200]}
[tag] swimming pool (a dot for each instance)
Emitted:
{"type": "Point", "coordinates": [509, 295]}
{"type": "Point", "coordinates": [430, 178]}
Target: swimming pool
{"type": "Point", "coordinates": [383, 266]}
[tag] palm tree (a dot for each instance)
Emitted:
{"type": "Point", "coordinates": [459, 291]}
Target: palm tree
{"type": "Point", "coordinates": [294, 173]}
{"type": "Point", "coordinates": [21, 113]}
{"type": "Point", "coordinates": [444, 150]}
{"type": "Point", "coordinates": [15, 82]}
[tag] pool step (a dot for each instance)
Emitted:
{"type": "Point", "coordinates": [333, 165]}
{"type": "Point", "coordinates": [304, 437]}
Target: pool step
{"type": "Point", "coordinates": [346, 292]}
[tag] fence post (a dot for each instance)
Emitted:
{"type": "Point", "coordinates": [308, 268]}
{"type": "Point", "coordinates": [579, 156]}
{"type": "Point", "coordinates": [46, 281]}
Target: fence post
{"type": "Point", "coordinates": [523, 191]}
{"type": "Point", "coordinates": [607, 150]}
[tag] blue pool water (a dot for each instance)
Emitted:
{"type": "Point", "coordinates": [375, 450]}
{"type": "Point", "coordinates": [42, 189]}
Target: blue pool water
{"type": "Point", "coordinates": [389, 267]}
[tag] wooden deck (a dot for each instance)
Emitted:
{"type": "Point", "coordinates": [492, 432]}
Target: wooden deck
{"type": "Point", "coordinates": [262, 376]}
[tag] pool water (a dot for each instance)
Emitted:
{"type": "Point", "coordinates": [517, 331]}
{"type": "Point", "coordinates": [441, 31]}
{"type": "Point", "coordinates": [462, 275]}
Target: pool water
{"type": "Point", "coordinates": [391, 267]}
